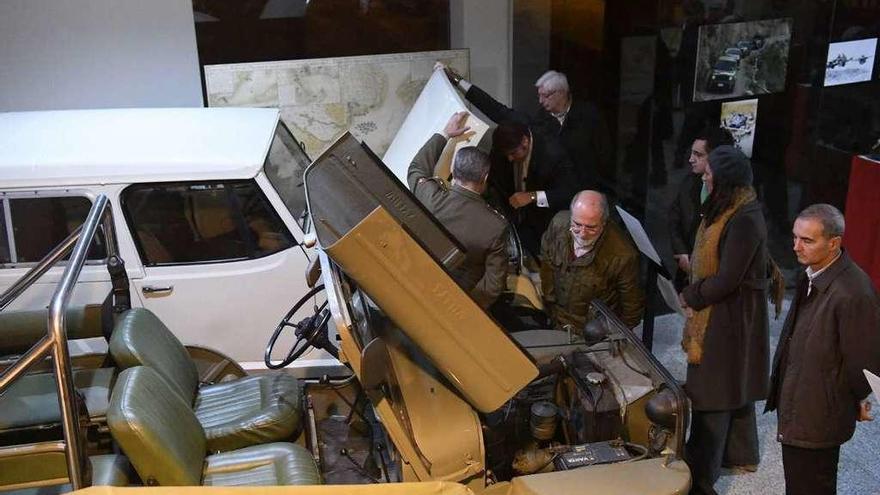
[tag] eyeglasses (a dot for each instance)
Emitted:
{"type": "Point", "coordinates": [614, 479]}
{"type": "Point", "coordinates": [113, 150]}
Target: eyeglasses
{"type": "Point", "coordinates": [577, 227]}
{"type": "Point", "coordinates": [545, 95]}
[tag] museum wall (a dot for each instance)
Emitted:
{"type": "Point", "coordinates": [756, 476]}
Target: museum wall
{"type": "Point", "coordinates": [97, 54]}
{"type": "Point", "coordinates": [484, 27]}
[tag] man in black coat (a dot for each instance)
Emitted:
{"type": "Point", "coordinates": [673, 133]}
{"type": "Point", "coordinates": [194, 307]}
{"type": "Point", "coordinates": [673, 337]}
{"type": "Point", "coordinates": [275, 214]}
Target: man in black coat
{"type": "Point", "coordinates": [684, 212]}
{"type": "Point", "coordinates": [531, 170]}
{"type": "Point", "coordinates": [831, 334]}
{"type": "Point", "coordinates": [580, 128]}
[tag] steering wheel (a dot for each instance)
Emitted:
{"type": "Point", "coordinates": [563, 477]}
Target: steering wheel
{"type": "Point", "coordinates": [310, 331]}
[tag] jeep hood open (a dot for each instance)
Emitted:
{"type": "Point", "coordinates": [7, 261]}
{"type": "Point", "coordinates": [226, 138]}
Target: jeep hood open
{"type": "Point", "coordinates": [379, 234]}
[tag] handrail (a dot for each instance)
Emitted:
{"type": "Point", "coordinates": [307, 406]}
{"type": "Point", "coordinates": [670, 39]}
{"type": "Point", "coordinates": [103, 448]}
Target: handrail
{"type": "Point", "coordinates": [55, 342]}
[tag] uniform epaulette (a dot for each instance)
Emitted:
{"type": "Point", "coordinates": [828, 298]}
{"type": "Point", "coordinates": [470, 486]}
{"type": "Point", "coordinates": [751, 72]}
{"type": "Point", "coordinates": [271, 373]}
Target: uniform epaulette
{"type": "Point", "coordinates": [440, 182]}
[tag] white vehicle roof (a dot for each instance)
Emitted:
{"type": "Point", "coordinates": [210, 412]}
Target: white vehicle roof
{"type": "Point", "coordinates": [78, 147]}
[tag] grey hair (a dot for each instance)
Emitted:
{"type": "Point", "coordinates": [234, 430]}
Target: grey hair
{"type": "Point", "coordinates": [830, 217]}
{"type": "Point", "coordinates": [471, 165]}
{"type": "Point", "coordinates": [552, 81]}
{"type": "Point", "coordinates": [603, 202]}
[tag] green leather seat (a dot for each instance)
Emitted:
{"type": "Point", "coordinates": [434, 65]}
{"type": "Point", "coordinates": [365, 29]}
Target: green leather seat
{"type": "Point", "coordinates": [165, 443]}
{"type": "Point", "coordinates": [248, 411]}
{"type": "Point", "coordinates": [33, 399]}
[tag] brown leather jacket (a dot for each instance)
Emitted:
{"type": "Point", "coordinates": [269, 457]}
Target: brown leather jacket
{"type": "Point", "coordinates": [828, 338]}
{"type": "Point", "coordinates": [569, 283]}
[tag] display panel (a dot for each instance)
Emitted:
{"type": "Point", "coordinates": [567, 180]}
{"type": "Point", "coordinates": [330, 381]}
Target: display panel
{"type": "Point", "coordinates": [850, 62]}
{"type": "Point", "coordinates": [741, 59]}
{"type": "Point", "coordinates": [739, 118]}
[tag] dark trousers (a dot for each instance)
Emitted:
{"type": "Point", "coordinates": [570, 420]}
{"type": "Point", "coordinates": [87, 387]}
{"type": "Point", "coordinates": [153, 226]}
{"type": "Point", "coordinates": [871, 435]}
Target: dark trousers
{"type": "Point", "coordinates": [810, 471]}
{"type": "Point", "coordinates": [718, 438]}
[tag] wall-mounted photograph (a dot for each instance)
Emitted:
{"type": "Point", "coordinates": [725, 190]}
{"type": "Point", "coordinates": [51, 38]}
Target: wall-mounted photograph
{"type": "Point", "coordinates": [741, 59]}
{"type": "Point", "coordinates": [850, 61]}
{"type": "Point", "coordinates": [739, 118]}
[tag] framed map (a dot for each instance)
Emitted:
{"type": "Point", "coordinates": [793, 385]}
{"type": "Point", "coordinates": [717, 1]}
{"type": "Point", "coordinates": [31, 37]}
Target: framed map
{"type": "Point", "coordinates": [322, 98]}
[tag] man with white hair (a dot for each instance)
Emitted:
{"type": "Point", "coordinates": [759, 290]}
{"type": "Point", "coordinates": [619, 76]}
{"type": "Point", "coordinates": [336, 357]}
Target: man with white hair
{"type": "Point", "coordinates": [579, 126]}
{"type": "Point", "coordinates": [586, 257]}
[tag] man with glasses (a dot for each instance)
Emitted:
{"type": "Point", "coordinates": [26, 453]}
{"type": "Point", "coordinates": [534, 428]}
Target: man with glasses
{"type": "Point", "coordinates": [684, 212]}
{"type": "Point", "coordinates": [586, 257]}
{"type": "Point", "coordinates": [579, 127]}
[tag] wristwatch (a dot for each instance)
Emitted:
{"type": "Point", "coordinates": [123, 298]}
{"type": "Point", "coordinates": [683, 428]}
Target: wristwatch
{"type": "Point", "coordinates": [454, 76]}
{"type": "Point", "coordinates": [534, 196]}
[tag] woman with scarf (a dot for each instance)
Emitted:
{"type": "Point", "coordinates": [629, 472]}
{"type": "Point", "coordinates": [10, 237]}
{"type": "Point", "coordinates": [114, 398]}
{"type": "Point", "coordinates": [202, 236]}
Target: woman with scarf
{"type": "Point", "coordinates": [726, 333]}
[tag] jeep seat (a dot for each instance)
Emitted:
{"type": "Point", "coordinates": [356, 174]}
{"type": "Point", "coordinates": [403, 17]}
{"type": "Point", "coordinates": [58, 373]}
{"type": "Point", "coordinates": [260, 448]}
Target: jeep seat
{"type": "Point", "coordinates": [248, 411]}
{"type": "Point", "coordinates": [165, 442]}
{"type": "Point", "coordinates": [32, 400]}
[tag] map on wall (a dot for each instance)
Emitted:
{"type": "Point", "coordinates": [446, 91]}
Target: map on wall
{"type": "Point", "coordinates": [322, 98]}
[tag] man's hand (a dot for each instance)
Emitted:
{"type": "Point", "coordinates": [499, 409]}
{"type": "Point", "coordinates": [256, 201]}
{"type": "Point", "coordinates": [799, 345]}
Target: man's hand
{"type": "Point", "coordinates": [865, 411]}
{"type": "Point", "coordinates": [520, 199]}
{"type": "Point", "coordinates": [455, 127]}
{"type": "Point", "coordinates": [684, 262]}
{"type": "Point", "coordinates": [454, 77]}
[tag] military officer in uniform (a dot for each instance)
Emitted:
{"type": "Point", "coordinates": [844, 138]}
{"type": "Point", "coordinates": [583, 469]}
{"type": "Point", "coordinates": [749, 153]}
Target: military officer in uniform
{"type": "Point", "coordinates": [461, 208]}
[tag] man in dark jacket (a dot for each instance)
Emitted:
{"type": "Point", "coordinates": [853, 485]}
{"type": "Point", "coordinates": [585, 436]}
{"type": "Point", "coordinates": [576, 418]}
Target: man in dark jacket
{"type": "Point", "coordinates": [462, 210]}
{"type": "Point", "coordinates": [580, 128]}
{"type": "Point", "coordinates": [530, 169]}
{"type": "Point", "coordinates": [684, 212]}
{"type": "Point", "coordinates": [584, 257]}
{"type": "Point", "coordinates": [831, 334]}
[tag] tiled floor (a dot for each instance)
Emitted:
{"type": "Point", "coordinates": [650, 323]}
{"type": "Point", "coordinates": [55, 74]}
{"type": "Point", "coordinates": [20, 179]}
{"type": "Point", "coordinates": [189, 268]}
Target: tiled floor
{"type": "Point", "coordinates": [859, 458]}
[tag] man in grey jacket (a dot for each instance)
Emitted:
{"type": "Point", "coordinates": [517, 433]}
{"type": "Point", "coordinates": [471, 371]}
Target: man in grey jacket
{"type": "Point", "coordinates": [831, 334]}
{"type": "Point", "coordinates": [462, 210]}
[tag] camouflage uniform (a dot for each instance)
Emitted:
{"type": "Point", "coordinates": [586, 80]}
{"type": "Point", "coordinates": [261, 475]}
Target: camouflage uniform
{"type": "Point", "coordinates": [609, 272]}
{"type": "Point", "coordinates": [477, 226]}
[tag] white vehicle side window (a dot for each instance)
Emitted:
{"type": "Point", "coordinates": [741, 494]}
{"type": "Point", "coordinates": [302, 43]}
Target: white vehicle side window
{"type": "Point", "coordinates": [32, 226]}
{"type": "Point", "coordinates": [197, 222]}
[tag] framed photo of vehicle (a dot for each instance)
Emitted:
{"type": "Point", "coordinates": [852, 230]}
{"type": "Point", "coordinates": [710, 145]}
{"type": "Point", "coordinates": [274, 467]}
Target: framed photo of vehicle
{"type": "Point", "coordinates": [741, 59]}
{"type": "Point", "coordinates": [739, 118]}
{"type": "Point", "coordinates": [850, 62]}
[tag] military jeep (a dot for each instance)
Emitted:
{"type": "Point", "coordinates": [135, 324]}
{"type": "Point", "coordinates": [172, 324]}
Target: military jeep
{"type": "Point", "coordinates": [434, 389]}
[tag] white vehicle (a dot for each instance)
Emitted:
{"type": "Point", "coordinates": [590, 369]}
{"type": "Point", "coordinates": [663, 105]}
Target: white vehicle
{"type": "Point", "coordinates": [734, 53]}
{"type": "Point", "coordinates": [210, 214]}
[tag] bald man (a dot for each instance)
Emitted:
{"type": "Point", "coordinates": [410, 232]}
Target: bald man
{"type": "Point", "coordinates": [586, 257]}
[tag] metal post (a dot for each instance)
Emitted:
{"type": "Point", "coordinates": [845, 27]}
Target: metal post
{"type": "Point", "coordinates": [58, 336]}
{"type": "Point", "coordinates": [650, 304]}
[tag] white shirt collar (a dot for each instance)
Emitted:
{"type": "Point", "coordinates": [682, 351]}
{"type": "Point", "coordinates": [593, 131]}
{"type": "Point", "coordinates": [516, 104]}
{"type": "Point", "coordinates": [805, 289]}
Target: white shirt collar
{"type": "Point", "coordinates": [563, 114]}
{"type": "Point", "coordinates": [812, 275]}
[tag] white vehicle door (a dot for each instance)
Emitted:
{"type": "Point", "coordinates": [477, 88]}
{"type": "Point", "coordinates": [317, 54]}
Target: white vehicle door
{"type": "Point", "coordinates": [221, 267]}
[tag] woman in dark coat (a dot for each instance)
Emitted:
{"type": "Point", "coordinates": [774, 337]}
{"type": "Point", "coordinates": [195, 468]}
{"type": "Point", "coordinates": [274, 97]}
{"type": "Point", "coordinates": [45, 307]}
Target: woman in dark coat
{"type": "Point", "coordinates": [726, 333]}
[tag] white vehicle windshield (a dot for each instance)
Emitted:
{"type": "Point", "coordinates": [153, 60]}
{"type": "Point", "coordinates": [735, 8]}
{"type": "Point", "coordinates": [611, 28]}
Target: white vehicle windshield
{"type": "Point", "coordinates": [284, 168]}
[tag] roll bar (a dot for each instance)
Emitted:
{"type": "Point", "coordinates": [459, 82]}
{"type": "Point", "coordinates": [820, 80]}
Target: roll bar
{"type": "Point", "coordinates": [54, 343]}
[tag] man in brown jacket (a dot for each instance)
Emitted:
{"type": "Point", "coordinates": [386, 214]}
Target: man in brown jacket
{"type": "Point", "coordinates": [462, 210]}
{"type": "Point", "coordinates": [586, 257]}
{"type": "Point", "coordinates": [831, 334]}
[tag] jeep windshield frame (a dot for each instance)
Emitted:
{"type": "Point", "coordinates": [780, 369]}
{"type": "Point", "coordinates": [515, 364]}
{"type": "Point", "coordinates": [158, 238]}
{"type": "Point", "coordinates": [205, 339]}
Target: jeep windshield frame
{"type": "Point", "coordinates": [285, 166]}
